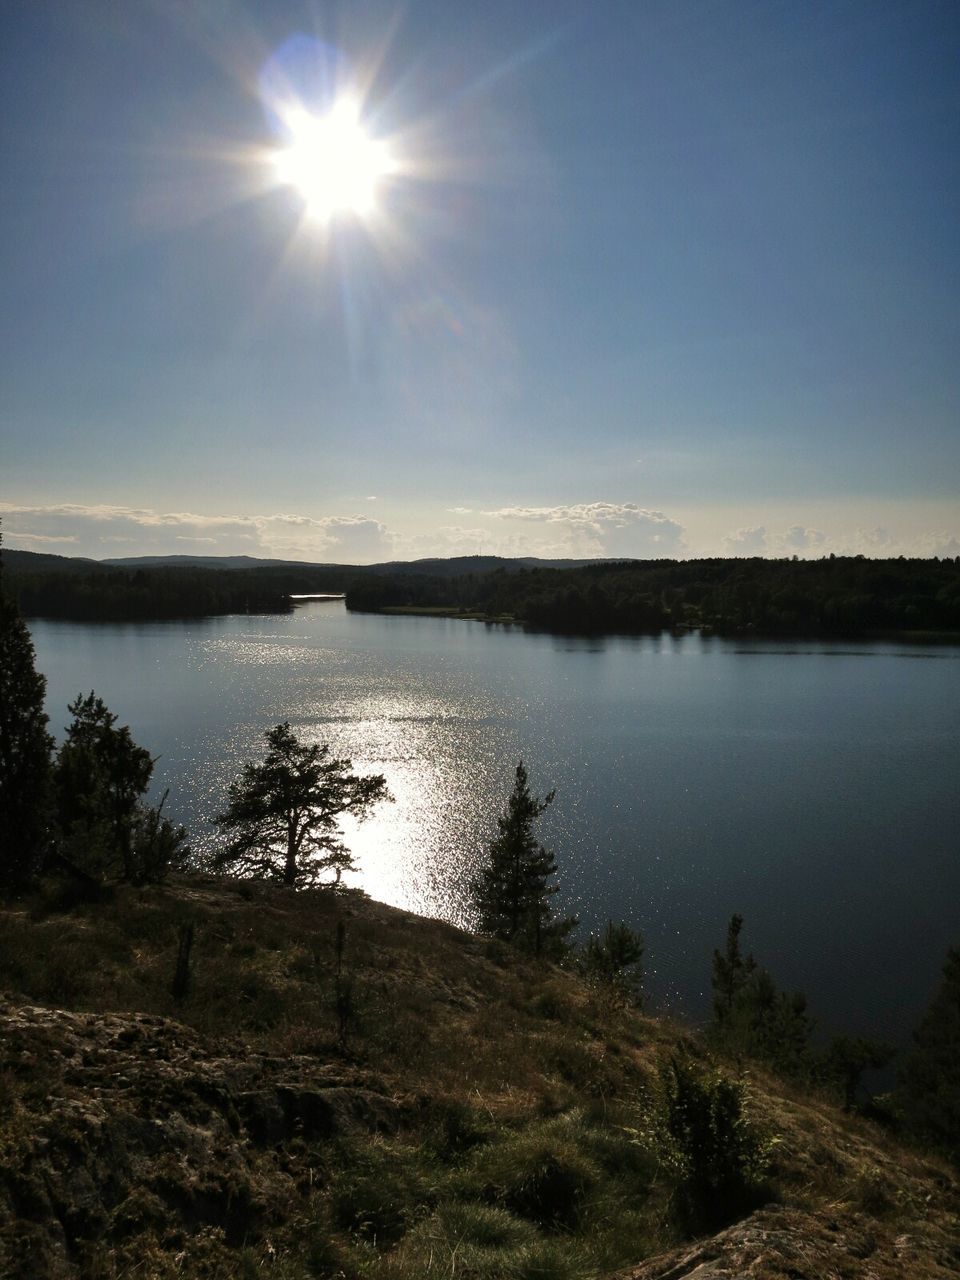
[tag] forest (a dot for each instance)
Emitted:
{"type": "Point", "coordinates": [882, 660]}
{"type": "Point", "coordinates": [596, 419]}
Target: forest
{"type": "Point", "coordinates": [833, 596]}
{"type": "Point", "coordinates": [838, 596]}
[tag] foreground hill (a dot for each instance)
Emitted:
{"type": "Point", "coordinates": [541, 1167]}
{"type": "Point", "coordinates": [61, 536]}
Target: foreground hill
{"type": "Point", "coordinates": [347, 1090]}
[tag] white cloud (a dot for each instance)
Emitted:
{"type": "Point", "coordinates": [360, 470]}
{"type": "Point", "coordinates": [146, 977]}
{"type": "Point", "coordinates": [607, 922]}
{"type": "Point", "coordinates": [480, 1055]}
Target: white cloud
{"type": "Point", "coordinates": [448, 540]}
{"type": "Point", "coordinates": [797, 538]}
{"type": "Point", "coordinates": [602, 529]}
{"type": "Point", "coordinates": [746, 542]}
{"type": "Point", "coordinates": [97, 530]}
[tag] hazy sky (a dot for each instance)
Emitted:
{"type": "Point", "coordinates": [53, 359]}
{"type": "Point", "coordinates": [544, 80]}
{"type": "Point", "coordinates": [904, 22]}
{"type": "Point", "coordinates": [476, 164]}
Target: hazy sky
{"type": "Point", "coordinates": [646, 279]}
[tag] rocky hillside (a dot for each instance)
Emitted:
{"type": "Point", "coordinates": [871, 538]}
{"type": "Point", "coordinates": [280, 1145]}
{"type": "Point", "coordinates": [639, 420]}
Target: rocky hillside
{"type": "Point", "coordinates": [346, 1090]}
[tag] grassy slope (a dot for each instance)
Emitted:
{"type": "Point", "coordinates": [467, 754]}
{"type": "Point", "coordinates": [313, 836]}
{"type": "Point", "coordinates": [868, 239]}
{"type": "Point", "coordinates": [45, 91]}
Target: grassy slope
{"type": "Point", "coordinates": [486, 1117]}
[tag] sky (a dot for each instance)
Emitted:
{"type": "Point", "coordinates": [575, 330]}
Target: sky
{"type": "Point", "coordinates": [640, 278]}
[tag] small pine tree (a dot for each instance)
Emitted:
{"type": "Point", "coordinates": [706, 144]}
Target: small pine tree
{"type": "Point", "coordinates": [613, 961]}
{"type": "Point", "coordinates": [512, 892]}
{"type": "Point", "coordinates": [730, 972]}
{"type": "Point", "coordinates": [929, 1084]}
{"type": "Point", "coordinates": [25, 750]}
{"type": "Point", "coordinates": [753, 1018]}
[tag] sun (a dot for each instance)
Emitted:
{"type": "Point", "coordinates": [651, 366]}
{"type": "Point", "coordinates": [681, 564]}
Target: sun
{"type": "Point", "coordinates": [332, 162]}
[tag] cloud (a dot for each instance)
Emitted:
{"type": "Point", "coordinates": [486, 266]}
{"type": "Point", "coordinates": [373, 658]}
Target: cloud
{"type": "Point", "coordinates": [46, 539]}
{"type": "Point", "coordinates": [448, 540]}
{"type": "Point", "coordinates": [746, 542]}
{"type": "Point", "coordinates": [797, 538]}
{"type": "Point", "coordinates": [97, 530]}
{"type": "Point", "coordinates": [944, 545]}
{"type": "Point", "coordinates": [602, 529]}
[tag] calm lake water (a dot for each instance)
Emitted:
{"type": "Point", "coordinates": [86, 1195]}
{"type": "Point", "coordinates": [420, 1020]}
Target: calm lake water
{"type": "Point", "coordinates": [811, 786]}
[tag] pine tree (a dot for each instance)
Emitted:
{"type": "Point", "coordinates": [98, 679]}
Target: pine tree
{"type": "Point", "coordinates": [512, 893]}
{"type": "Point", "coordinates": [929, 1089]}
{"type": "Point", "coordinates": [752, 1017]}
{"type": "Point", "coordinates": [101, 776]}
{"type": "Point", "coordinates": [730, 972]}
{"type": "Point", "coordinates": [284, 813]}
{"type": "Point", "coordinates": [25, 748]}
{"type": "Point", "coordinates": [613, 962]}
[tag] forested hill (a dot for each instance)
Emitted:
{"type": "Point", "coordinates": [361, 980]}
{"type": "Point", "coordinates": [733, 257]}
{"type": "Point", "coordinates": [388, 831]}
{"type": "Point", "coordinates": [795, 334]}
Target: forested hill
{"type": "Point", "coordinates": [51, 586]}
{"type": "Point", "coordinates": [841, 596]}
{"type": "Point", "coordinates": [832, 596]}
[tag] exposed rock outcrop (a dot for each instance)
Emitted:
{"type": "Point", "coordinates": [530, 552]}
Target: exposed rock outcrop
{"type": "Point", "coordinates": [117, 1124]}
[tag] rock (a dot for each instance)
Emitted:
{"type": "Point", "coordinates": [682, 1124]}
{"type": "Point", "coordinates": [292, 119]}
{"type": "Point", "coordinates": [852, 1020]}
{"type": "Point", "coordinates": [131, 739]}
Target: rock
{"type": "Point", "coordinates": [119, 1126]}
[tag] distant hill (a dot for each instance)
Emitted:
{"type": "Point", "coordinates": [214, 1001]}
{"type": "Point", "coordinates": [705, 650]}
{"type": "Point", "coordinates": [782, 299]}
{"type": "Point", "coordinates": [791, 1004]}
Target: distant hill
{"type": "Point", "coordinates": [205, 562]}
{"type": "Point", "coordinates": [41, 562]}
{"type": "Point", "coordinates": [449, 567]}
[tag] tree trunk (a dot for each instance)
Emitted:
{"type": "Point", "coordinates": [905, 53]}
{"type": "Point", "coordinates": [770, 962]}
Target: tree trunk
{"type": "Point", "coordinates": [290, 866]}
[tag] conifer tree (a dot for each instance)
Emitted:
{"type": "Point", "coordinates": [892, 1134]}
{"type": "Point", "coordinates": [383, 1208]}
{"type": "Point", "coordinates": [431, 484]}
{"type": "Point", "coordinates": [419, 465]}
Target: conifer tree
{"type": "Point", "coordinates": [105, 828]}
{"type": "Point", "coordinates": [284, 813]}
{"type": "Point", "coordinates": [25, 748]}
{"type": "Point", "coordinates": [753, 1017]}
{"type": "Point", "coordinates": [101, 775]}
{"type": "Point", "coordinates": [730, 972]}
{"type": "Point", "coordinates": [512, 892]}
{"type": "Point", "coordinates": [929, 1090]}
{"type": "Point", "coordinates": [613, 962]}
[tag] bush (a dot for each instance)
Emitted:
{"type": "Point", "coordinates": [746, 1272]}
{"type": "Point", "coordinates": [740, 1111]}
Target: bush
{"type": "Point", "coordinates": [719, 1159]}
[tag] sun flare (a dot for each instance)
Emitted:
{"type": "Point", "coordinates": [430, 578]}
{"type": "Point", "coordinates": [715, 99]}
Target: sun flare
{"type": "Point", "coordinates": [332, 162]}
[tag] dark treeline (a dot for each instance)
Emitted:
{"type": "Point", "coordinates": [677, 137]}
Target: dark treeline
{"type": "Point", "coordinates": [89, 591]}
{"type": "Point", "coordinates": [832, 596]}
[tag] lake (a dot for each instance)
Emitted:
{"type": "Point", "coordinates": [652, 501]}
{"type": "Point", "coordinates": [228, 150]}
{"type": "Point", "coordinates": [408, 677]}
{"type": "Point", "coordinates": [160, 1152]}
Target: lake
{"type": "Point", "coordinates": [811, 786]}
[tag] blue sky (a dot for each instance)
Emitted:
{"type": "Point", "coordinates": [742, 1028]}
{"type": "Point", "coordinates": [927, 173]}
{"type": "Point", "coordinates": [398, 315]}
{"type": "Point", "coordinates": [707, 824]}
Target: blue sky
{"type": "Point", "coordinates": [648, 279]}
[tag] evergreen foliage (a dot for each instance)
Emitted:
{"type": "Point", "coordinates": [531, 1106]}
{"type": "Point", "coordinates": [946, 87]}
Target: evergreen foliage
{"type": "Point", "coordinates": [753, 1018]}
{"type": "Point", "coordinates": [929, 1085]}
{"type": "Point", "coordinates": [105, 828]}
{"type": "Point", "coordinates": [613, 962]}
{"type": "Point", "coordinates": [730, 972]}
{"type": "Point", "coordinates": [25, 748]}
{"type": "Point", "coordinates": [833, 596]}
{"type": "Point", "coordinates": [846, 1059]}
{"type": "Point", "coordinates": [512, 893]}
{"type": "Point", "coordinates": [283, 815]}
{"type": "Point", "coordinates": [719, 1158]}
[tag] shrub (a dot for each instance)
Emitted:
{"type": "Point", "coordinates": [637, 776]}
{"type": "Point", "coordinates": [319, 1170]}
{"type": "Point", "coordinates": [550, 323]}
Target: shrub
{"type": "Point", "coordinates": [718, 1158]}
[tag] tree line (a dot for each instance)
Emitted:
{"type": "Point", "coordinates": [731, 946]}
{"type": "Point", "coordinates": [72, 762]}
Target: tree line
{"type": "Point", "coordinates": [833, 596]}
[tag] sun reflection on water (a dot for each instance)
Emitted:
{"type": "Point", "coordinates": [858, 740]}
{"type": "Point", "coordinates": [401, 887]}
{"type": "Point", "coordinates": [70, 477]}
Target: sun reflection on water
{"type": "Point", "coordinates": [420, 731]}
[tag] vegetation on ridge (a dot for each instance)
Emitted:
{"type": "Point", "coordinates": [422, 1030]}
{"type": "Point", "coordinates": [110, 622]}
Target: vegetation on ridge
{"type": "Point", "coordinates": [832, 596]}
{"type": "Point", "coordinates": [488, 1113]}
{"type": "Point", "coordinates": [836, 595]}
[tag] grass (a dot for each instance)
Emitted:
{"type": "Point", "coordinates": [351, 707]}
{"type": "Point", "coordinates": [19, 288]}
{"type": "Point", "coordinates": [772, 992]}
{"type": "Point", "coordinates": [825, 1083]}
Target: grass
{"type": "Point", "coordinates": [531, 1121]}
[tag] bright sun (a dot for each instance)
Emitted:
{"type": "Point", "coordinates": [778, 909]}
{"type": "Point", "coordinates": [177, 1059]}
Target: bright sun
{"type": "Point", "coordinates": [332, 162]}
